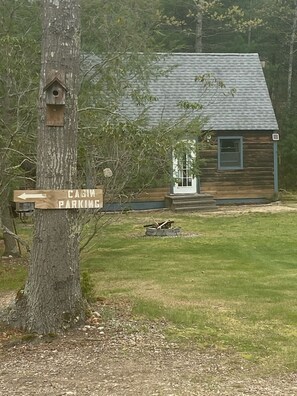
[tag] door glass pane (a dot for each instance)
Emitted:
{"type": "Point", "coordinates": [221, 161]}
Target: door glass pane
{"type": "Point", "coordinates": [184, 178]}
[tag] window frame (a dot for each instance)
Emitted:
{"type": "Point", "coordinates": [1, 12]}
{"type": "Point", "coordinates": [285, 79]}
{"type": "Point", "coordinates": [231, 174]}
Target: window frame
{"type": "Point", "coordinates": [236, 167]}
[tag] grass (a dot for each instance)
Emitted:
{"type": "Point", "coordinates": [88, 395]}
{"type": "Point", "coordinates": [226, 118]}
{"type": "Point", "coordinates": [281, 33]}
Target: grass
{"type": "Point", "coordinates": [13, 272]}
{"type": "Point", "coordinates": [12, 275]}
{"type": "Point", "coordinates": [228, 282]}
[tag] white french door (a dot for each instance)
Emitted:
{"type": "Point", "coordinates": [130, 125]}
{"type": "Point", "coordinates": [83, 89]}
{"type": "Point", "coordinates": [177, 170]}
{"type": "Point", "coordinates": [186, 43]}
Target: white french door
{"type": "Point", "coordinates": [184, 181]}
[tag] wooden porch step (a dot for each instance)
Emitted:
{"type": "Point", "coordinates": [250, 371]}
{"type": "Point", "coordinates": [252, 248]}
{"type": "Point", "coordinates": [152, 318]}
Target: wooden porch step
{"type": "Point", "coordinates": [194, 208]}
{"type": "Point", "coordinates": [190, 202]}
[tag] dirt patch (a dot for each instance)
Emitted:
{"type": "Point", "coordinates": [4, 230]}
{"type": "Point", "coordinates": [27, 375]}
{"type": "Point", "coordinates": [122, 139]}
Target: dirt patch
{"type": "Point", "coordinates": [274, 207]}
{"type": "Point", "coordinates": [116, 355]}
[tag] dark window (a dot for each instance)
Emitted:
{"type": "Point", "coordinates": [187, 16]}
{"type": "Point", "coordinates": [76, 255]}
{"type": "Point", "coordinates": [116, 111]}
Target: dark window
{"type": "Point", "coordinates": [230, 153]}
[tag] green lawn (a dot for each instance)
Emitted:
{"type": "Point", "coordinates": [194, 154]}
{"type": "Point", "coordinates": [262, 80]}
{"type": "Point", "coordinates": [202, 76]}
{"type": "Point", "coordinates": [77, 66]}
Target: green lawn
{"type": "Point", "coordinates": [227, 282]}
{"type": "Point", "coordinates": [13, 272]}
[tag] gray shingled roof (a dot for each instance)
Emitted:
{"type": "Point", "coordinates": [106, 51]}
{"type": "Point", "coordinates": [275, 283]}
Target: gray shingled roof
{"type": "Point", "coordinates": [249, 109]}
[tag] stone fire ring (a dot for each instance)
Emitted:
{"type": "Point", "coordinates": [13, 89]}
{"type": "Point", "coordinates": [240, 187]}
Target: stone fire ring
{"type": "Point", "coordinates": [153, 231]}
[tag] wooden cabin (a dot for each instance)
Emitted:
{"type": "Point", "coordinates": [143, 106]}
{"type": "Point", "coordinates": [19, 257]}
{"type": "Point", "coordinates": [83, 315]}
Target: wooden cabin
{"type": "Point", "coordinates": [240, 161]}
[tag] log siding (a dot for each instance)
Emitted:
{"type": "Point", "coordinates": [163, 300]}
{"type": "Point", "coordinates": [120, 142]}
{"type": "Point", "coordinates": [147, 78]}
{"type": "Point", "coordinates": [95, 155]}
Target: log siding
{"type": "Point", "coordinates": [254, 180]}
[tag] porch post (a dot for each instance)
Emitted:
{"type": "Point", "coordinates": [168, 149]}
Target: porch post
{"type": "Point", "coordinates": [275, 166]}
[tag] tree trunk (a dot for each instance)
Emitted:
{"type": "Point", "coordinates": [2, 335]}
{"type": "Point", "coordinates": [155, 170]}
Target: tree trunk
{"type": "Point", "coordinates": [249, 33]}
{"type": "Point", "coordinates": [291, 56]}
{"type": "Point", "coordinates": [11, 247]}
{"type": "Point", "coordinates": [199, 28]}
{"type": "Point", "coordinates": [52, 296]}
{"type": "Point", "coordinates": [249, 37]}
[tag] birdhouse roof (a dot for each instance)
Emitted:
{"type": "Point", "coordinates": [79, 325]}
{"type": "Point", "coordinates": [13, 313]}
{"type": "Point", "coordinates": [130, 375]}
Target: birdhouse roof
{"type": "Point", "coordinates": [55, 80]}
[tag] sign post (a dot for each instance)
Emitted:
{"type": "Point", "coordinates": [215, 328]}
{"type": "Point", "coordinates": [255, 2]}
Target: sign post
{"type": "Point", "coordinates": [61, 199]}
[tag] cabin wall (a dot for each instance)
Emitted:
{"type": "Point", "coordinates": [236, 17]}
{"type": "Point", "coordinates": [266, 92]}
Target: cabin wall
{"type": "Point", "coordinates": [254, 183]}
{"type": "Point", "coordinates": [255, 180]}
{"type": "Point", "coordinates": [149, 199]}
{"type": "Point", "coordinates": [152, 194]}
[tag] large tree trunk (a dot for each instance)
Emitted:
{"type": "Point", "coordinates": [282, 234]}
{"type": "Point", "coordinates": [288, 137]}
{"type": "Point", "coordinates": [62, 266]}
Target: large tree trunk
{"type": "Point", "coordinates": [52, 297]}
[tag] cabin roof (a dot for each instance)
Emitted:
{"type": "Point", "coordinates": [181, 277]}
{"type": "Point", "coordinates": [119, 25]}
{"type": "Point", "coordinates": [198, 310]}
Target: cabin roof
{"type": "Point", "coordinates": [250, 107]}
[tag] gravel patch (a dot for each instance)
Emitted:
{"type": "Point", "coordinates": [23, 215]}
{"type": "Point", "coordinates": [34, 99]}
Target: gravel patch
{"type": "Point", "coordinates": [113, 354]}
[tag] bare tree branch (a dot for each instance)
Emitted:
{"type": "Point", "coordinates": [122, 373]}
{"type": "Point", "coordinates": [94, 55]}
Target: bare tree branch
{"type": "Point", "coordinates": [17, 238]}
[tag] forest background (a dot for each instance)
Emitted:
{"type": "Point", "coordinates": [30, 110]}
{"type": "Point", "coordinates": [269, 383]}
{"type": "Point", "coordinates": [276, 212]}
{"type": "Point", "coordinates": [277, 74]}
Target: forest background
{"type": "Point", "coordinates": [119, 31]}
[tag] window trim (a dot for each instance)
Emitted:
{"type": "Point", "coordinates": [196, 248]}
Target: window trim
{"type": "Point", "coordinates": [240, 138]}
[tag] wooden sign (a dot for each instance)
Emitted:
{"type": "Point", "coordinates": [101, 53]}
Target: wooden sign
{"type": "Point", "coordinates": [61, 199]}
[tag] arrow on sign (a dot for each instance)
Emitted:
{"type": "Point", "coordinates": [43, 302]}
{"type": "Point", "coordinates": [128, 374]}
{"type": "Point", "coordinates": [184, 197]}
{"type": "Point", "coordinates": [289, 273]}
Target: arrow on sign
{"type": "Point", "coordinates": [26, 196]}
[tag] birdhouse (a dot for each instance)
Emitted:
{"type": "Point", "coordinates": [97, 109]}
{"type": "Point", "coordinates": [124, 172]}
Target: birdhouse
{"type": "Point", "coordinates": [55, 94]}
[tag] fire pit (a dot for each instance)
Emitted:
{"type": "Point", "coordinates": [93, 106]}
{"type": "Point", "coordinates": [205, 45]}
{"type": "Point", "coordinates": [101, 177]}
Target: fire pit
{"type": "Point", "coordinates": [161, 229]}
